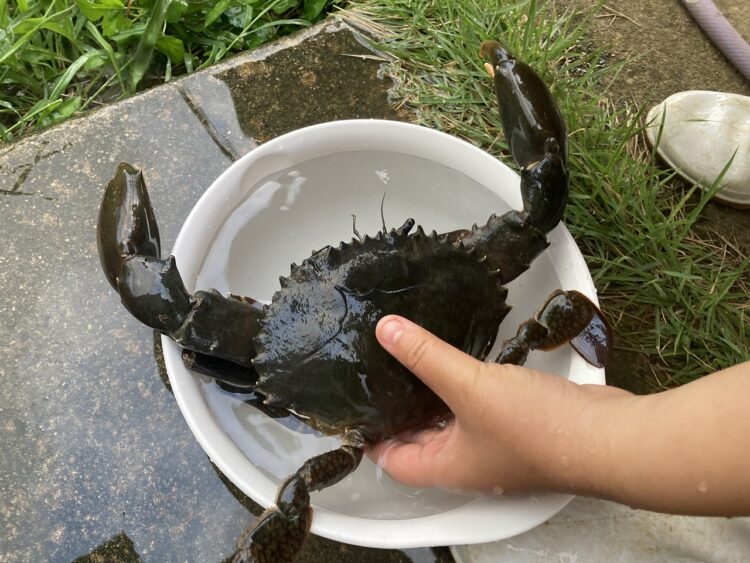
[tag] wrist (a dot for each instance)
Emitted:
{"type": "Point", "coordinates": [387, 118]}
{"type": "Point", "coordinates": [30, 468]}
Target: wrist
{"type": "Point", "coordinates": [585, 455]}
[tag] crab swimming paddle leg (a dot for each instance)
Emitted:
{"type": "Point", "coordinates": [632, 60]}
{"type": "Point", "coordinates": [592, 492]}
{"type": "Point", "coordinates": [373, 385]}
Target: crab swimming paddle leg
{"type": "Point", "coordinates": [566, 316]}
{"type": "Point", "coordinates": [280, 532]}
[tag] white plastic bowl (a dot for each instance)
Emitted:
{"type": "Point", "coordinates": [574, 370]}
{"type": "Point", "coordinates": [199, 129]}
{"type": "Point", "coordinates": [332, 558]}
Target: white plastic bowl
{"type": "Point", "coordinates": [297, 193]}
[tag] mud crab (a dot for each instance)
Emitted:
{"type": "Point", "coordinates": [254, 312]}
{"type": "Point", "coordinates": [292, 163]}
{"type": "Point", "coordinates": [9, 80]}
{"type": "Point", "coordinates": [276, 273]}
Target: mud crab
{"type": "Point", "coordinates": [312, 351]}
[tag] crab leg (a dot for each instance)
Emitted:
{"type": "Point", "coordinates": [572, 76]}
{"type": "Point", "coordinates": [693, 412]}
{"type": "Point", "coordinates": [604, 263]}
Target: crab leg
{"type": "Point", "coordinates": [152, 289]}
{"type": "Point", "coordinates": [566, 316]}
{"type": "Point", "coordinates": [536, 136]}
{"type": "Point", "coordinates": [280, 532]}
{"type": "Point", "coordinates": [233, 377]}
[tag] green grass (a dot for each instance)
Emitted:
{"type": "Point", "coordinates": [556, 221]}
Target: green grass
{"type": "Point", "coordinates": [58, 57]}
{"type": "Point", "coordinates": [676, 299]}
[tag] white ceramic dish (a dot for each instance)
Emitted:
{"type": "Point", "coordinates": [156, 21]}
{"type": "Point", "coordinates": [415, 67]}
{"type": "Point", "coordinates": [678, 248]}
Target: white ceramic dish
{"type": "Point", "coordinates": [297, 193]}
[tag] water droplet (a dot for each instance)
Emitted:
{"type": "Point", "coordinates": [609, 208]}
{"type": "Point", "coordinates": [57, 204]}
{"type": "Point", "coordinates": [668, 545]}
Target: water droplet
{"type": "Point", "coordinates": [565, 461]}
{"type": "Point", "coordinates": [383, 176]}
{"type": "Point", "coordinates": [703, 487]}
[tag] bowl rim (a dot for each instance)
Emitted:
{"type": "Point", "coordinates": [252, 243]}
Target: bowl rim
{"type": "Point", "coordinates": [477, 520]}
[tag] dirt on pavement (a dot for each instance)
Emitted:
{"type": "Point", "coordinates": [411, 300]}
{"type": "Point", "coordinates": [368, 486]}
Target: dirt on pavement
{"type": "Point", "coordinates": [667, 50]}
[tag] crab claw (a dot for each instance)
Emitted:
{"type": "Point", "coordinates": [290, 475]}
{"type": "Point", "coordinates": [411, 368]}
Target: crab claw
{"type": "Point", "coordinates": [535, 132]}
{"type": "Point", "coordinates": [126, 225]}
{"type": "Point", "coordinates": [129, 248]}
{"type": "Point", "coordinates": [152, 289]}
{"type": "Point", "coordinates": [528, 111]}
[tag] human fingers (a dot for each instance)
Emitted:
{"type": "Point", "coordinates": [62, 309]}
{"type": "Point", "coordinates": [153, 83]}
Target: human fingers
{"type": "Point", "coordinates": [450, 373]}
{"type": "Point", "coordinates": [421, 436]}
{"type": "Point", "coordinates": [418, 463]}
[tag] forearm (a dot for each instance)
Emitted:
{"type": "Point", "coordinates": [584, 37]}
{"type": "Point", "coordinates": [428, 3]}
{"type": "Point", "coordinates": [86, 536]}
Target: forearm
{"type": "Point", "coordinates": [680, 451]}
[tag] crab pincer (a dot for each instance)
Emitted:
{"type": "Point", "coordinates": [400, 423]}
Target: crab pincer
{"type": "Point", "coordinates": [217, 329]}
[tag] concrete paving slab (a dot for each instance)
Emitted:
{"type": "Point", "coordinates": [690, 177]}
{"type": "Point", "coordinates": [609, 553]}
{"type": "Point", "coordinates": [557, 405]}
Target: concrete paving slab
{"type": "Point", "coordinates": [592, 531]}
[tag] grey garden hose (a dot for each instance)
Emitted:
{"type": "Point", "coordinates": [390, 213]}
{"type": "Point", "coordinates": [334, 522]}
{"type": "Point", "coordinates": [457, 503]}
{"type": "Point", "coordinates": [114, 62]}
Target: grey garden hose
{"type": "Point", "coordinates": [721, 32]}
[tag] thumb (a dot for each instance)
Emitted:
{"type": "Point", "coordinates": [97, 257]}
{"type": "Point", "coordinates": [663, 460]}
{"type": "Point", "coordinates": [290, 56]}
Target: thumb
{"type": "Point", "coordinates": [450, 373]}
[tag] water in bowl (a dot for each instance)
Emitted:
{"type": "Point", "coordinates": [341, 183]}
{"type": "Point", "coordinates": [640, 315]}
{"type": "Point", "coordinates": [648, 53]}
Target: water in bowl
{"type": "Point", "coordinates": [297, 210]}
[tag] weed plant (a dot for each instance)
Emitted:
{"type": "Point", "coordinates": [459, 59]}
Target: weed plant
{"type": "Point", "coordinates": [58, 57]}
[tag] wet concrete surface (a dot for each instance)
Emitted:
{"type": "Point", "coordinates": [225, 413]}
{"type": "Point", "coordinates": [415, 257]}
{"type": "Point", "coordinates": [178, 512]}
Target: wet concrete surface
{"type": "Point", "coordinates": [97, 461]}
{"type": "Point", "coordinates": [305, 86]}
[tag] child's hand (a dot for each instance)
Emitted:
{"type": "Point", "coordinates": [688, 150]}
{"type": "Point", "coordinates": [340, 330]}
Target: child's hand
{"type": "Point", "coordinates": [512, 425]}
{"type": "Point", "coordinates": [682, 451]}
